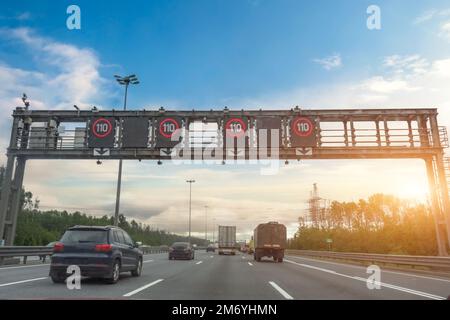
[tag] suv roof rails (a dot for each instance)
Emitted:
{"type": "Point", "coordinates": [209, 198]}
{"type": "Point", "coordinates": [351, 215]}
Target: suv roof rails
{"type": "Point", "coordinates": [93, 227]}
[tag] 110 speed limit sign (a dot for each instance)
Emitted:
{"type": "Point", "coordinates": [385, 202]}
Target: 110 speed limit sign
{"type": "Point", "coordinates": [303, 133]}
{"type": "Point", "coordinates": [235, 127]}
{"type": "Point", "coordinates": [101, 128]}
{"type": "Point", "coordinates": [102, 132]}
{"type": "Point", "coordinates": [167, 130]}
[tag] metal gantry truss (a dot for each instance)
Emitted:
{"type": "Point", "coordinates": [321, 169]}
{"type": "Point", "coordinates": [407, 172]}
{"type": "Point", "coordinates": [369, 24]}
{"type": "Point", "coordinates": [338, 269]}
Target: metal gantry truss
{"type": "Point", "coordinates": [336, 134]}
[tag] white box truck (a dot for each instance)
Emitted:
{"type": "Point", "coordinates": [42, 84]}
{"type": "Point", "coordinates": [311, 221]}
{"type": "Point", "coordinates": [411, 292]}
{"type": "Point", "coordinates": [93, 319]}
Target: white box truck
{"type": "Point", "coordinates": [227, 240]}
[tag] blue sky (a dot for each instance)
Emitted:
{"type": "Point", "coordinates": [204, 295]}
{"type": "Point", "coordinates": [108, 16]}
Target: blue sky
{"type": "Point", "coordinates": [207, 53]}
{"type": "Point", "coordinates": [216, 53]}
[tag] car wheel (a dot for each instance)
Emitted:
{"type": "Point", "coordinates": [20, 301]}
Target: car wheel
{"type": "Point", "coordinates": [115, 272]}
{"type": "Point", "coordinates": [137, 272]}
{"type": "Point", "coordinates": [57, 278]}
{"type": "Point", "coordinates": [280, 259]}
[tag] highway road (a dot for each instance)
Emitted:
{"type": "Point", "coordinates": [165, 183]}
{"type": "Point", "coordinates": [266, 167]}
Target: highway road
{"type": "Point", "coordinates": [211, 276]}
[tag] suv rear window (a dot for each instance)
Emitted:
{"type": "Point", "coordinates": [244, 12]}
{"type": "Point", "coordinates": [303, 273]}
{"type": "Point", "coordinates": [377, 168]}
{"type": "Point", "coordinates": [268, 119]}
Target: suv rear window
{"type": "Point", "coordinates": [84, 236]}
{"type": "Point", "coordinates": [180, 245]}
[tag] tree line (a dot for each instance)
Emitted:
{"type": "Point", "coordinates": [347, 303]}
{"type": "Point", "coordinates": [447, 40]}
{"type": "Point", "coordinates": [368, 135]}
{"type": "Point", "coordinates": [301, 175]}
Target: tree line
{"type": "Point", "coordinates": [381, 224]}
{"type": "Point", "coordinates": [37, 228]}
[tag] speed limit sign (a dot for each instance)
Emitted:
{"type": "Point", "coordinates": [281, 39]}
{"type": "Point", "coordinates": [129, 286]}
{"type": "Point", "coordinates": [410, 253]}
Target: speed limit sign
{"type": "Point", "coordinates": [303, 132]}
{"type": "Point", "coordinates": [101, 128]}
{"type": "Point", "coordinates": [166, 130]}
{"type": "Point", "coordinates": [102, 132]}
{"type": "Point", "coordinates": [235, 127]}
{"type": "Point", "coordinates": [167, 127]}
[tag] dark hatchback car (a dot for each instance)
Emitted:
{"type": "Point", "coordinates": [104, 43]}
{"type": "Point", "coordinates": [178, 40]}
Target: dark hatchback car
{"type": "Point", "coordinates": [181, 250]}
{"type": "Point", "coordinates": [100, 252]}
{"type": "Point", "coordinates": [210, 248]}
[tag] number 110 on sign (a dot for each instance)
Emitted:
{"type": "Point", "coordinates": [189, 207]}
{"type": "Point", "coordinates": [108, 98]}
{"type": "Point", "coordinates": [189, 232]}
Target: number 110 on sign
{"type": "Point", "coordinates": [302, 127]}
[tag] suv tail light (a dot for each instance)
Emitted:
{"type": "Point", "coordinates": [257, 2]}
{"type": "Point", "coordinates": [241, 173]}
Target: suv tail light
{"type": "Point", "coordinates": [58, 247]}
{"type": "Point", "coordinates": [103, 247]}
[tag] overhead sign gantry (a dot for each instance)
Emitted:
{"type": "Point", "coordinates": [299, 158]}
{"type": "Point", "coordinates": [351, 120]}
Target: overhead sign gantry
{"type": "Point", "coordinates": [237, 134]}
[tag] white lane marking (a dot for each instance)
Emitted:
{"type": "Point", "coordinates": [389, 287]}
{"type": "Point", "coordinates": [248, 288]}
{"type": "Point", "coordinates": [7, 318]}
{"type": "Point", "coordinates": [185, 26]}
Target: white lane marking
{"type": "Point", "coordinates": [415, 292]}
{"type": "Point", "coordinates": [23, 281]}
{"type": "Point", "coordinates": [212, 256]}
{"type": "Point", "coordinates": [363, 268]}
{"type": "Point", "coordinates": [250, 264]}
{"type": "Point", "coordinates": [386, 285]}
{"type": "Point", "coordinates": [147, 261]}
{"type": "Point", "coordinates": [281, 291]}
{"type": "Point", "coordinates": [199, 262]}
{"type": "Point", "coordinates": [34, 265]}
{"type": "Point", "coordinates": [129, 294]}
{"type": "Point", "coordinates": [243, 257]}
{"type": "Point", "coordinates": [313, 267]}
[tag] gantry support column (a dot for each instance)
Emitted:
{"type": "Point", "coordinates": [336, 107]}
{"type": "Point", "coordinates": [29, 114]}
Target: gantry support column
{"type": "Point", "coordinates": [435, 208]}
{"type": "Point", "coordinates": [6, 187]}
{"type": "Point", "coordinates": [440, 174]}
{"type": "Point", "coordinates": [5, 194]}
{"type": "Point", "coordinates": [443, 190]}
{"type": "Point", "coordinates": [15, 207]}
{"type": "Point", "coordinates": [434, 183]}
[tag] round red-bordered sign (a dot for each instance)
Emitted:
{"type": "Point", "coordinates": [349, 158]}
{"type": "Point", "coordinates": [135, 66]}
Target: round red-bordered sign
{"type": "Point", "coordinates": [231, 132]}
{"type": "Point", "coordinates": [108, 130]}
{"type": "Point", "coordinates": [161, 124]}
{"type": "Point", "coordinates": [307, 122]}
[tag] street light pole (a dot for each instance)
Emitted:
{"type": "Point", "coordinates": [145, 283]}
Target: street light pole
{"type": "Point", "coordinates": [214, 229]}
{"type": "Point", "coordinates": [125, 81]}
{"type": "Point", "coordinates": [206, 225]}
{"type": "Point", "coordinates": [190, 202]}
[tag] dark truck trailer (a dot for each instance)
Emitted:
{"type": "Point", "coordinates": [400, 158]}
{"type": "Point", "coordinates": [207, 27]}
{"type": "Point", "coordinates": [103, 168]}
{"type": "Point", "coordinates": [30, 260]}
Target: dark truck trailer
{"type": "Point", "coordinates": [269, 241]}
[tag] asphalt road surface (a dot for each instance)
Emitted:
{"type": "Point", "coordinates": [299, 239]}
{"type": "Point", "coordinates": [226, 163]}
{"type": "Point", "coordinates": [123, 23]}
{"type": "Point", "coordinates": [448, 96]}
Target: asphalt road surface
{"type": "Point", "coordinates": [211, 276]}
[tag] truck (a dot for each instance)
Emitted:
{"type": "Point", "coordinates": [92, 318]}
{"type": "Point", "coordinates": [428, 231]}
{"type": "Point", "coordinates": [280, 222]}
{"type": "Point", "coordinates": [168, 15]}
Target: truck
{"type": "Point", "coordinates": [269, 240]}
{"type": "Point", "coordinates": [227, 240]}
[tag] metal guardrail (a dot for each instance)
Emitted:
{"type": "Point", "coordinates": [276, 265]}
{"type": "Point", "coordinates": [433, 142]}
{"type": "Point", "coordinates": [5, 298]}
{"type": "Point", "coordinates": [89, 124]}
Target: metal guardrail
{"type": "Point", "coordinates": [44, 251]}
{"type": "Point", "coordinates": [25, 252]}
{"type": "Point", "coordinates": [430, 262]}
{"type": "Point", "coordinates": [153, 250]}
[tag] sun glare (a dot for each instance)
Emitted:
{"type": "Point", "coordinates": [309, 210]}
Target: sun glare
{"type": "Point", "coordinates": [416, 191]}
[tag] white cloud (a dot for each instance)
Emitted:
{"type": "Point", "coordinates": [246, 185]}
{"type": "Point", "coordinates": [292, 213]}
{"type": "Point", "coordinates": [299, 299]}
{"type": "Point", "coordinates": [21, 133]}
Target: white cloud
{"type": "Point", "coordinates": [73, 73]}
{"type": "Point", "coordinates": [445, 31]}
{"type": "Point", "coordinates": [437, 15]}
{"type": "Point", "coordinates": [426, 16]}
{"type": "Point", "coordinates": [23, 16]}
{"type": "Point", "coordinates": [63, 75]}
{"type": "Point", "coordinates": [431, 15]}
{"type": "Point", "coordinates": [444, 13]}
{"type": "Point", "coordinates": [380, 85]}
{"type": "Point", "coordinates": [332, 62]}
{"type": "Point", "coordinates": [409, 65]}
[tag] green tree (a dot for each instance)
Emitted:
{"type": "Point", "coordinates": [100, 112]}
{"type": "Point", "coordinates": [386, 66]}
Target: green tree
{"type": "Point", "coordinates": [380, 224]}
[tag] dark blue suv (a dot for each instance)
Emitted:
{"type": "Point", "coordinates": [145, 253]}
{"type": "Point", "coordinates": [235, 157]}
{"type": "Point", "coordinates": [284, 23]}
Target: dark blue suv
{"type": "Point", "coordinates": [102, 252]}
